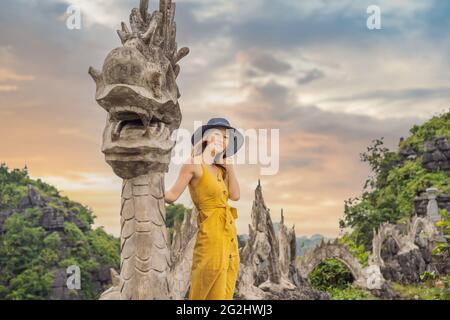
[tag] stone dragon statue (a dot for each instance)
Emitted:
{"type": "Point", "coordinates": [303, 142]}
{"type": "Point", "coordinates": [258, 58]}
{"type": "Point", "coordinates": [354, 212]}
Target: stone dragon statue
{"type": "Point", "coordinates": [137, 87]}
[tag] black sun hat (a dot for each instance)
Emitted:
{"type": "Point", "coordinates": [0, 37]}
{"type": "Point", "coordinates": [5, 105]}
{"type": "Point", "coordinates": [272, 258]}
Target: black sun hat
{"type": "Point", "coordinates": [236, 138]}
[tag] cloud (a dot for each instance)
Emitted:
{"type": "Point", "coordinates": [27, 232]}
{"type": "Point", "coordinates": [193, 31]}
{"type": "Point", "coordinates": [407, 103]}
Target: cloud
{"type": "Point", "coordinates": [9, 78]}
{"type": "Point", "coordinates": [406, 95]}
{"type": "Point", "coordinates": [268, 63]}
{"type": "Point", "coordinates": [11, 75]}
{"type": "Point", "coordinates": [273, 105]}
{"type": "Point", "coordinates": [8, 88]}
{"type": "Point", "coordinates": [310, 76]}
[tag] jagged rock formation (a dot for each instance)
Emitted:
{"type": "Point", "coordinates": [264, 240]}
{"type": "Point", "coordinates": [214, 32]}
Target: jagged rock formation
{"type": "Point", "coordinates": [288, 246]}
{"type": "Point", "coordinates": [408, 249]}
{"type": "Point", "coordinates": [267, 269]}
{"type": "Point", "coordinates": [404, 267]}
{"type": "Point", "coordinates": [137, 87]}
{"type": "Point", "coordinates": [405, 239]}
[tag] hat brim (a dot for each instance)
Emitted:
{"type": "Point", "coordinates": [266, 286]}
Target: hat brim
{"type": "Point", "coordinates": [235, 136]}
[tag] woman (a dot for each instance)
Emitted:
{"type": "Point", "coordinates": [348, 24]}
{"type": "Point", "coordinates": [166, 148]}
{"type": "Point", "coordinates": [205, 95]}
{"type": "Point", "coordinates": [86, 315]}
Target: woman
{"type": "Point", "coordinates": [212, 182]}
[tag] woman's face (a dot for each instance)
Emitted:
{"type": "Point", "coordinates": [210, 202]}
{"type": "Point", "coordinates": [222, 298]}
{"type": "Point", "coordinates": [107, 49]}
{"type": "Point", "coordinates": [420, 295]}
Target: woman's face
{"type": "Point", "coordinates": [219, 139]}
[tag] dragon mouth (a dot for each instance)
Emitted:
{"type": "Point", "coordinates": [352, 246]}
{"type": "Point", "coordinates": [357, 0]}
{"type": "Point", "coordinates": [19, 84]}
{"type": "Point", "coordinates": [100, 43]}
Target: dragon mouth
{"type": "Point", "coordinates": [132, 122]}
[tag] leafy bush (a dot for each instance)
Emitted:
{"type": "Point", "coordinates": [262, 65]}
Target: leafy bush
{"type": "Point", "coordinates": [330, 273]}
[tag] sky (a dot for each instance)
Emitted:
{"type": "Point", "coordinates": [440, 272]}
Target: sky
{"type": "Point", "coordinates": [310, 69]}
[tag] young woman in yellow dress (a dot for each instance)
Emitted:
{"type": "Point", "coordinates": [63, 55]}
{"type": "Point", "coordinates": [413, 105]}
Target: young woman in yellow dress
{"type": "Point", "coordinates": [212, 181]}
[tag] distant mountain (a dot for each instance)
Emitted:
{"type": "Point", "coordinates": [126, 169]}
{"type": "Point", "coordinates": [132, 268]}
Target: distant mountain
{"type": "Point", "coordinates": [303, 243]}
{"type": "Point", "coordinates": [306, 243]}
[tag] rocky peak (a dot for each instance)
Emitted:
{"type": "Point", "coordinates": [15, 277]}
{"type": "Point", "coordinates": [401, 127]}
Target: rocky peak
{"type": "Point", "coordinates": [267, 269]}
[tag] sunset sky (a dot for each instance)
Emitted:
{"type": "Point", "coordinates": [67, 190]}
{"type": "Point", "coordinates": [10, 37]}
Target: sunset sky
{"type": "Point", "coordinates": [310, 68]}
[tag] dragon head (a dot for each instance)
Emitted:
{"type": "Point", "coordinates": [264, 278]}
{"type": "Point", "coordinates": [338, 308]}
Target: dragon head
{"type": "Point", "coordinates": [137, 87]}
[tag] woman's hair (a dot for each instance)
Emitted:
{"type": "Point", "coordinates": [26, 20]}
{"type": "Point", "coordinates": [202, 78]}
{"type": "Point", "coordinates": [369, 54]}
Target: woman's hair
{"type": "Point", "coordinates": [200, 146]}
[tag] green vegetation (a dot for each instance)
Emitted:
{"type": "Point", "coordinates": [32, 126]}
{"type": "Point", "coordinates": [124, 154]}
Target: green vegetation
{"type": "Point", "coordinates": [430, 288]}
{"type": "Point", "coordinates": [350, 293]}
{"type": "Point", "coordinates": [389, 193]}
{"type": "Point", "coordinates": [443, 248]}
{"type": "Point", "coordinates": [438, 126]}
{"type": "Point", "coordinates": [28, 253]}
{"type": "Point", "coordinates": [13, 186]}
{"type": "Point", "coordinates": [174, 212]}
{"type": "Point", "coordinates": [358, 250]}
{"type": "Point", "coordinates": [24, 270]}
{"type": "Point", "coordinates": [330, 273]}
{"type": "Point", "coordinates": [333, 277]}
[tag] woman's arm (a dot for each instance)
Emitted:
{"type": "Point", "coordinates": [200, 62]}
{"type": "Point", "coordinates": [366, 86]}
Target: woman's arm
{"type": "Point", "coordinates": [185, 176]}
{"type": "Point", "coordinates": [234, 192]}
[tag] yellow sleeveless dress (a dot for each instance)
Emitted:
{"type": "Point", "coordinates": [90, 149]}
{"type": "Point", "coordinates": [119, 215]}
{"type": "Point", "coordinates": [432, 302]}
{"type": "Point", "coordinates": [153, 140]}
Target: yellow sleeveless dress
{"type": "Point", "coordinates": [215, 261]}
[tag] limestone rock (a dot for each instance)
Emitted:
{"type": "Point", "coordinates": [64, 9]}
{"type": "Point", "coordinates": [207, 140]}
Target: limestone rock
{"type": "Point", "coordinates": [405, 267]}
{"type": "Point", "coordinates": [267, 269]}
{"type": "Point", "coordinates": [437, 155]}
